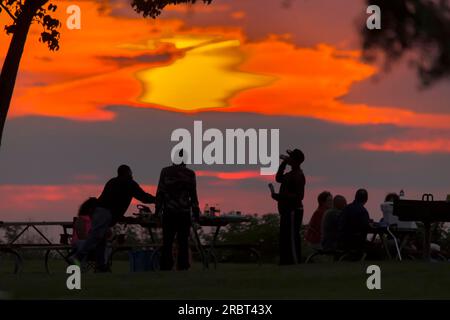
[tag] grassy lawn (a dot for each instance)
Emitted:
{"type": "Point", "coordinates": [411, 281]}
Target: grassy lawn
{"type": "Point", "coordinates": [406, 280]}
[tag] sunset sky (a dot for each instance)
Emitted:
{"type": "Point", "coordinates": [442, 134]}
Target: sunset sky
{"type": "Point", "coordinates": [118, 87]}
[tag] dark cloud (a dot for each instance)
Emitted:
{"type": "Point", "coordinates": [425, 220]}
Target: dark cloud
{"type": "Point", "coordinates": [54, 151]}
{"type": "Point", "coordinates": [39, 150]}
{"type": "Point", "coordinates": [308, 22]}
{"type": "Point", "coordinates": [400, 87]}
{"type": "Point", "coordinates": [122, 61]}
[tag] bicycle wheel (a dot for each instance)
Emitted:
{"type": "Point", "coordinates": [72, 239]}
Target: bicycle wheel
{"type": "Point", "coordinates": [54, 262]}
{"type": "Point", "coordinates": [10, 261]}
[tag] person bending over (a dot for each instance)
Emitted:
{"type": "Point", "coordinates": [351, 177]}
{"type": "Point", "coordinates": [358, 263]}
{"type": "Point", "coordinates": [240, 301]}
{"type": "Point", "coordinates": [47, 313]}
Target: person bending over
{"type": "Point", "coordinates": [112, 205]}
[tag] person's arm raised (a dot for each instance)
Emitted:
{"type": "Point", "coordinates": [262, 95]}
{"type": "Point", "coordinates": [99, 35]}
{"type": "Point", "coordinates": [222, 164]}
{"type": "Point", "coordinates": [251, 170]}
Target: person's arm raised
{"type": "Point", "coordinates": [280, 173]}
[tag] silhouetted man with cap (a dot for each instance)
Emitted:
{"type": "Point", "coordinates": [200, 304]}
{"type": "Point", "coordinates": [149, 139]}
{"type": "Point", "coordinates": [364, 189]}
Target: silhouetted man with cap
{"type": "Point", "coordinates": [112, 205]}
{"type": "Point", "coordinates": [290, 206]}
{"type": "Point", "coordinates": [176, 199]}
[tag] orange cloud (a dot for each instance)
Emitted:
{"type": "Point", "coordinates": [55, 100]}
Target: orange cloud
{"type": "Point", "coordinates": [206, 68]}
{"type": "Point", "coordinates": [38, 199]}
{"type": "Point", "coordinates": [423, 146]}
{"type": "Point", "coordinates": [310, 83]}
{"type": "Point", "coordinates": [29, 197]}
{"type": "Point", "coordinates": [79, 80]}
{"type": "Point", "coordinates": [271, 77]}
{"type": "Point", "coordinates": [199, 7]}
{"type": "Point", "coordinates": [236, 175]}
{"type": "Point", "coordinates": [238, 15]}
{"type": "Point", "coordinates": [227, 178]}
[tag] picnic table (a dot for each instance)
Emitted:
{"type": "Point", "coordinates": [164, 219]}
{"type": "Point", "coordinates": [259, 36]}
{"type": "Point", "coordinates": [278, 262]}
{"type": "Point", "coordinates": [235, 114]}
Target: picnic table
{"type": "Point", "coordinates": [13, 247]}
{"type": "Point", "coordinates": [427, 211]}
{"type": "Point", "coordinates": [375, 231]}
{"type": "Point", "coordinates": [206, 251]}
{"type": "Point", "coordinates": [400, 237]}
{"type": "Point", "coordinates": [150, 222]}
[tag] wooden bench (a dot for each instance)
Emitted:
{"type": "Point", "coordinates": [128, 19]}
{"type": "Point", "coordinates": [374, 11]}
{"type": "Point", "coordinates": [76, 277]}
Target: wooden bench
{"type": "Point", "coordinates": [63, 250]}
{"type": "Point", "coordinates": [337, 255]}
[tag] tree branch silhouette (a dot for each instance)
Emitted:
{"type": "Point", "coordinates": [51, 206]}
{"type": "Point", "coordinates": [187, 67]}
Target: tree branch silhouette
{"type": "Point", "coordinates": [7, 11]}
{"type": "Point", "coordinates": [23, 13]}
{"type": "Point", "coordinates": [418, 30]}
{"type": "Point", "coordinates": [153, 8]}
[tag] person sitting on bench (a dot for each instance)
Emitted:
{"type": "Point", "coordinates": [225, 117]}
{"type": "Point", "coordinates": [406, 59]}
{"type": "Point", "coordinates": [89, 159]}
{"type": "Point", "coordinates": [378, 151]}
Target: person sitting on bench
{"type": "Point", "coordinates": [330, 224]}
{"type": "Point", "coordinates": [313, 233]}
{"type": "Point", "coordinates": [83, 222]}
{"type": "Point", "coordinates": [354, 224]}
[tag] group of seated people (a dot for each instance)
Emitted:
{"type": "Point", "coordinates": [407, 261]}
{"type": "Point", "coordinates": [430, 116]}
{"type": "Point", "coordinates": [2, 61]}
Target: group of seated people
{"type": "Point", "coordinates": [336, 225]}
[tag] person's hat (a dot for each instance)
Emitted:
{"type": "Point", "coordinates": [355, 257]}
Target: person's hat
{"type": "Point", "coordinates": [296, 155]}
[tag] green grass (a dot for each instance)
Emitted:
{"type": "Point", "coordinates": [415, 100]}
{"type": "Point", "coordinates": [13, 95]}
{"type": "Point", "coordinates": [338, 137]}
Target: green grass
{"type": "Point", "coordinates": [400, 280]}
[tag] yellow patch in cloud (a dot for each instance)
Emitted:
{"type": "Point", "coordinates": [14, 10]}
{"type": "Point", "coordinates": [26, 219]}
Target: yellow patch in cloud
{"type": "Point", "coordinates": [188, 41]}
{"type": "Point", "coordinates": [206, 77]}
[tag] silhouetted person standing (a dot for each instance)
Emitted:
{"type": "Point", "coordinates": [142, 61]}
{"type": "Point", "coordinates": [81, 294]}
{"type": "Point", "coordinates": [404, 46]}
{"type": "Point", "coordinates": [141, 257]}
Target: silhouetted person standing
{"type": "Point", "coordinates": [176, 199]}
{"type": "Point", "coordinates": [112, 205]}
{"type": "Point", "coordinates": [290, 206]}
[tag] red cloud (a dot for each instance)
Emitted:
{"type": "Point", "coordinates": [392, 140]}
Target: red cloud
{"type": "Point", "coordinates": [423, 146]}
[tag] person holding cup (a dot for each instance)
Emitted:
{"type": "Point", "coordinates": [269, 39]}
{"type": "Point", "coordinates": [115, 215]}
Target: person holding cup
{"type": "Point", "coordinates": [290, 205]}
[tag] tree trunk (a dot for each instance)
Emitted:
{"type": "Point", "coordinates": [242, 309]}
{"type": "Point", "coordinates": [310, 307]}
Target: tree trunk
{"type": "Point", "coordinates": [11, 64]}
